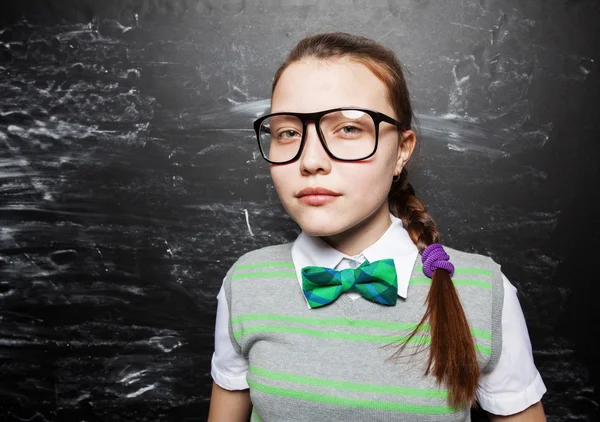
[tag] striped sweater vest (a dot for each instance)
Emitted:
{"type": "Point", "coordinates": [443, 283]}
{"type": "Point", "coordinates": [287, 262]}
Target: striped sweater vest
{"type": "Point", "coordinates": [331, 363]}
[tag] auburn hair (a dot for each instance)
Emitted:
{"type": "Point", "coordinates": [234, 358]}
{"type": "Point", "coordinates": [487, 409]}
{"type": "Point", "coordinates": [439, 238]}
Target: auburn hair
{"type": "Point", "coordinates": [452, 357]}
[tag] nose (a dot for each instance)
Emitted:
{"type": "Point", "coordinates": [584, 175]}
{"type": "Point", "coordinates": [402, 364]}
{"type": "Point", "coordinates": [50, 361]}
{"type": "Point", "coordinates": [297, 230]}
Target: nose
{"type": "Point", "coordinates": [314, 158]}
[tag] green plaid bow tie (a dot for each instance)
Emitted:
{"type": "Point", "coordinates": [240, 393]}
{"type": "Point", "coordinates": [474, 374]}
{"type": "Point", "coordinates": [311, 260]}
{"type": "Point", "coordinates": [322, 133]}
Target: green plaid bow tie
{"type": "Point", "coordinates": [375, 281]}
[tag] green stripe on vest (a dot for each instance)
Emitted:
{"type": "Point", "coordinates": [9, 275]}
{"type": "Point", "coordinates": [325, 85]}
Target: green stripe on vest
{"type": "Point", "coordinates": [457, 282]}
{"type": "Point", "coordinates": [326, 322]}
{"type": "Point", "coordinates": [358, 337]}
{"type": "Point", "coordinates": [352, 386]}
{"type": "Point", "coordinates": [356, 403]}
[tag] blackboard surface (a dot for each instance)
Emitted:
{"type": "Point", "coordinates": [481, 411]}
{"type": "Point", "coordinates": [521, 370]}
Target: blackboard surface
{"type": "Point", "coordinates": [130, 181]}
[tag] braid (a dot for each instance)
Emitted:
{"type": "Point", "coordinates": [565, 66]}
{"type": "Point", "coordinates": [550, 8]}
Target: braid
{"type": "Point", "coordinates": [420, 225]}
{"type": "Point", "coordinates": [452, 357]}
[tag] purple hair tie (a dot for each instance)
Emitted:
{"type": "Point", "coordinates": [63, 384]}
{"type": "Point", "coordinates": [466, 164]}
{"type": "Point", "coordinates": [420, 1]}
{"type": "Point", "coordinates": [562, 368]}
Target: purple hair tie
{"type": "Point", "coordinates": [434, 256]}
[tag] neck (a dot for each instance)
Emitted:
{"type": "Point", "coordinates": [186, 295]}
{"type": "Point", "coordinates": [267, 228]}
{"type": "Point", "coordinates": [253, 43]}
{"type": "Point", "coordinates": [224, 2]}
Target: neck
{"type": "Point", "coordinates": [359, 237]}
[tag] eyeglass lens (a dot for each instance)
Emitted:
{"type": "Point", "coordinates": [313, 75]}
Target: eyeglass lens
{"type": "Point", "coordinates": [349, 135]}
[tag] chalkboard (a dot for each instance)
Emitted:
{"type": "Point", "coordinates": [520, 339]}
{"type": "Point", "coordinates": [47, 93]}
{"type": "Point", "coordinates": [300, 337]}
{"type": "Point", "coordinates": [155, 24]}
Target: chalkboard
{"type": "Point", "coordinates": [131, 181]}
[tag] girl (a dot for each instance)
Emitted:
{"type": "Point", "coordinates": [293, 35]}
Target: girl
{"type": "Point", "coordinates": [361, 317]}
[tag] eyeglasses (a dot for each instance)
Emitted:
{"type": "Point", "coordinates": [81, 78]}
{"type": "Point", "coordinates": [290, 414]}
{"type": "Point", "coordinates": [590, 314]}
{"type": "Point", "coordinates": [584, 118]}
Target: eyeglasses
{"type": "Point", "coordinates": [346, 133]}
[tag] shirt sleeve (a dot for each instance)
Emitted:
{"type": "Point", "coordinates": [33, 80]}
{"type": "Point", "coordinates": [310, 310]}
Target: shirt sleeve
{"type": "Point", "coordinates": [228, 368]}
{"type": "Point", "coordinates": [515, 383]}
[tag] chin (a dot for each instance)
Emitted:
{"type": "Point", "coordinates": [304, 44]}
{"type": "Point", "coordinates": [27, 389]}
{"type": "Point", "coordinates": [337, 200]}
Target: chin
{"type": "Point", "coordinates": [321, 227]}
{"type": "Point", "coordinates": [319, 232]}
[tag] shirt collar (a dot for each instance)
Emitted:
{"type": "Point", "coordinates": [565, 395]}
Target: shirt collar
{"type": "Point", "coordinates": [395, 243]}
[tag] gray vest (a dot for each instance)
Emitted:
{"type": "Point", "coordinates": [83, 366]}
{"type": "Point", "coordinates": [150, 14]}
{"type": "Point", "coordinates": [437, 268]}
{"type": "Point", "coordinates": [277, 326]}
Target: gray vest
{"type": "Point", "coordinates": [331, 363]}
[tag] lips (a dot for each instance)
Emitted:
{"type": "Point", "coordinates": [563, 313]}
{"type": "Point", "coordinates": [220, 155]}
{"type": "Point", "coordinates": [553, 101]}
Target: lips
{"type": "Point", "coordinates": [316, 191]}
{"type": "Point", "coordinates": [317, 196]}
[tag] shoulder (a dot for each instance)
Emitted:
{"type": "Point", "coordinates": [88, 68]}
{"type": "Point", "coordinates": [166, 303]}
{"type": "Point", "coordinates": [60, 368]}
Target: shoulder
{"type": "Point", "coordinates": [477, 270]}
{"type": "Point", "coordinates": [279, 252]}
{"type": "Point", "coordinates": [267, 254]}
{"type": "Point", "coordinates": [471, 258]}
{"type": "Point", "coordinates": [263, 266]}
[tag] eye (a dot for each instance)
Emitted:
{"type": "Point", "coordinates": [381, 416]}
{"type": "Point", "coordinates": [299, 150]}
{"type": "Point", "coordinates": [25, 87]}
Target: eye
{"type": "Point", "coordinates": [351, 130]}
{"type": "Point", "coordinates": [288, 134]}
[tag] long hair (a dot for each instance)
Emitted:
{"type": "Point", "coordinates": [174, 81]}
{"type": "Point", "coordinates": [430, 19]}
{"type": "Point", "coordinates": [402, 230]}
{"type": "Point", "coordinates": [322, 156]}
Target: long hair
{"type": "Point", "coordinates": [452, 357]}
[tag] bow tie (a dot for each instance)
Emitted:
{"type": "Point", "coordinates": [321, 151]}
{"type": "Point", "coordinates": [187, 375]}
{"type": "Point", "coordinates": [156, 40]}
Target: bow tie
{"type": "Point", "coordinates": [375, 281]}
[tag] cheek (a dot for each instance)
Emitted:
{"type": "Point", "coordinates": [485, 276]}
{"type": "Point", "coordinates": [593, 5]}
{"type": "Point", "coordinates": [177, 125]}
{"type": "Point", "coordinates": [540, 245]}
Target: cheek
{"type": "Point", "coordinates": [282, 177]}
{"type": "Point", "coordinates": [368, 179]}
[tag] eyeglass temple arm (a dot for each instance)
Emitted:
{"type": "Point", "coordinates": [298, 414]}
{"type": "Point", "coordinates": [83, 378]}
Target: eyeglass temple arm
{"type": "Point", "coordinates": [391, 121]}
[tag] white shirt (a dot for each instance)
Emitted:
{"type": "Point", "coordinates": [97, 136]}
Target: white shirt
{"type": "Point", "coordinates": [512, 386]}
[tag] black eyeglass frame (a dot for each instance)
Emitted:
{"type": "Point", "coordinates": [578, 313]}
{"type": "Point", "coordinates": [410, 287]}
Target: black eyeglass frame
{"type": "Point", "coordinates": [316, 117]}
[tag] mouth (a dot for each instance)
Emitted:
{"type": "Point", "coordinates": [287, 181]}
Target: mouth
{"type": "Point", "coordinates": [317, 196]}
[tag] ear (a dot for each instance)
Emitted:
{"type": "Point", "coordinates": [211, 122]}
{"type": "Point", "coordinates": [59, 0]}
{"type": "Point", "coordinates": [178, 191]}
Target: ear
{"type": "Point", "coordinates": [408, 140]}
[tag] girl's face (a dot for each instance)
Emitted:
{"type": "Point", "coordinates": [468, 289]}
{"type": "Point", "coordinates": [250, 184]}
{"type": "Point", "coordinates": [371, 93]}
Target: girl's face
{"type": "Point", "coordinates": [357, 215]}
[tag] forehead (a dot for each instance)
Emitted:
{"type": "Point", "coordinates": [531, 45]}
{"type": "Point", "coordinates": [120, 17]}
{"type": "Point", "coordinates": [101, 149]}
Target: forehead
{"type": "Point", "coordinates": [318, 84]}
